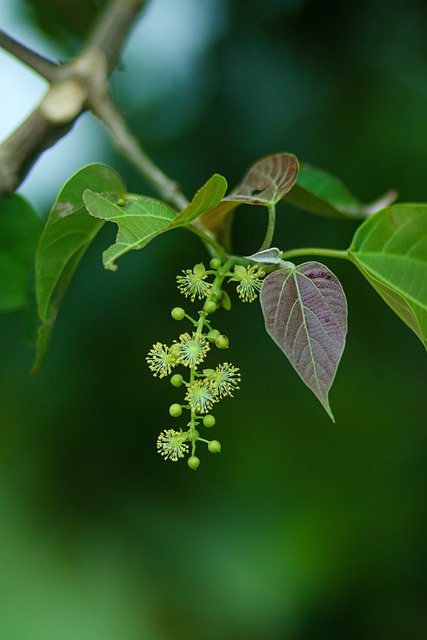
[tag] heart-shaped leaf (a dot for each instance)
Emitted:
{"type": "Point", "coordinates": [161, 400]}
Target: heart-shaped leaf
{"type": "Point", "coordinates": [390, 249]}
{"type": "Point", "coordinates": [305, 313]}
{"type": "Point", "coordinates": [20, 229]}
{"type": "Point", "coordinates": [139, 221]}
{"type": "Point", "coordinates": [206, 198]}
{"type": "Point", "coordinates": [266, 182]}
{"type": "Point", "coordinates": [320, 192]}
{"type": "Point", "coordinates": [67, 234]}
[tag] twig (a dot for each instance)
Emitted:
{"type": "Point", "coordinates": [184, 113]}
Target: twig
{"type": "Point", "coordinates": [112, 27]}
{"type": "Point", "coordinates": [110, 116]}
{"type": "Point", "coordinates": [68, 95]}
{"type": "Point", "coordinates": [41, 65]}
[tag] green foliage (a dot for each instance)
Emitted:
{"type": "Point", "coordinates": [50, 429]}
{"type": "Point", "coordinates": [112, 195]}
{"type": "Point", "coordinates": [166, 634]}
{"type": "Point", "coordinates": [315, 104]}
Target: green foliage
{"type": "Point", "coordinates": [67, 234]}
{"type": "Point", "coordinates": [62, 20]}
{"type": "Point", "coordinates": [390, 249]}
{"type": "Point", "coordinates": [139, 221]}
{"type": "Point", "coordinates": [304, 306]}
{"type": "Point", "coordinates": [206, 198]}
{"type": "Point", "coordinates": [319, 192]}
{"type": "Point", "coordinates": [20, 230]}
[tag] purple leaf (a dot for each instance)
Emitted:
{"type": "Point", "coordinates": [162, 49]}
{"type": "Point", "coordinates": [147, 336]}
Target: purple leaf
{"type": "Point", "coordinates": [266, 182]}
{"type": "Point", "coordinates": [305, 312]}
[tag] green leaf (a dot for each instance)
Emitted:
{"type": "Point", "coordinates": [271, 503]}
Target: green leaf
{"type": "Point", "coordinates": [20, 230]}
{"type": "Point", "coordinates": [305, 313]}
{"type": "Point", "coordinates": [138, 221]}
{"type": "Point", "coordinates": [319, 192]}
{"type": "Point", "coordinates": [68, 232]}
{"type": "Point", "coordinates": [390, 249]}
{"type": "Point", "coordinates": [266, 182]}
{"type": "Point", "coordinates": [206, 198]}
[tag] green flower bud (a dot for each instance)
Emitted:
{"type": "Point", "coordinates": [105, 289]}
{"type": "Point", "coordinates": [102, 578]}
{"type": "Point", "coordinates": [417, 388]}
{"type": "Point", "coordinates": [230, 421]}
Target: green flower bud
{"type": "Point", "coordinates": [209, 306]}
{"type": "Point", "coordinates": [209, 420]}
{"type": "Point", "coordinates": [199, 270]}
{"type": "Point", "coordinates": [214, 446]}
{"type": "Point", "coordinates": [215, 263]}
{"type": "Point", "coordinates": [175, 410]}
{"type": "Point", "coordinates": [213, 335]}
{"type": "Point", "coordinates": [193, 462]}
{"type": "Point", "coordinates": [178, 313]}
{"type": "Point", "coordinates": [221, 342]}
{"type": "Point", "coordinates": [177, 380]}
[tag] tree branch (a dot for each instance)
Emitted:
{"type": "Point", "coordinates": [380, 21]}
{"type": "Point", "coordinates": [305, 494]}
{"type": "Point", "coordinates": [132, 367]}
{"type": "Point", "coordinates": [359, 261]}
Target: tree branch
{"type": "Point", "coordinates": [41, 65]}
{"type": "Point", "coordinates": [110, 116]}
{"type": "Point", "coordinates": [68, 95]}
{"type": "Point", "coordinates": [110, 31]}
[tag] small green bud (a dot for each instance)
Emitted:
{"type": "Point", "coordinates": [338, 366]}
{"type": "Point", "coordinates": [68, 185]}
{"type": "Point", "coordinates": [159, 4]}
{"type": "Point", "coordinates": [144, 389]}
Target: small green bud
{"type": "Point", "coordinates": [120, 202]}
{"type": "Point", "coordinates": [214, 446]}
{"type": "Point", "coordinates": [221, 342]}
{"type": "Point", "coordinates": [177, 380]}
{"type": "Point", "coordinates": [193, 462]}
{"type": "Point", "coordinates": [209, 306]}
{"type": "Point", "coordinates": [209, 420]}
{"type": "Point", "coordinates": [199, 270]}
{"type": "Point", "coordinates": [215, 263]}
{"type": "Point", "coordinates": [213, 335]}
{"type": "Point", "coordinates": [175, 410]}
{"type": "Point", "coordinates": [178, 313]}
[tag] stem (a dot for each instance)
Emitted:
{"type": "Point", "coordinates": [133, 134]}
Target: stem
{"type": "Point", "coordinates": [314, 251]}
{"type": "Point", "coordinates": [209, 240]}
{"type": "Point", "coordinates": [43, 66]}
{"type": "Point", "coordinates": [112, 27]}
{"type": "Point", "coordinates": [270, 227]}
{"type": "Point", "coordinates": [129, 146]}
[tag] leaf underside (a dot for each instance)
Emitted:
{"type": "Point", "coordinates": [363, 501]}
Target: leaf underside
{"type": "Point", "coordinates": [305, 313]}
{"type": "Point", "coordinates": [390, 250]}
{"type": "Point", "coordinates": [266, 183]}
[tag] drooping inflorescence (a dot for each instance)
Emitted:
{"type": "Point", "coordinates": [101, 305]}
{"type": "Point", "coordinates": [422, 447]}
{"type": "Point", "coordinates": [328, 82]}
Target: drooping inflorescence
{"type": "Point", "coordinates": [203, 387]}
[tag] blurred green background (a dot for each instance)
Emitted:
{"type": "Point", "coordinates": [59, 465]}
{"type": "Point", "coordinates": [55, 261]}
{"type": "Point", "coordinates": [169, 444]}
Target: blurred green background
{"type": "Point", "coordinates": [300, 529]}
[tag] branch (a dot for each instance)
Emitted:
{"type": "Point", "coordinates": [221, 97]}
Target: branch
{"type": "Point", "coordinates": [109, 115]}
{"type": "Point", "coordinates": [44, 67]}
{"type": "Point", "coordinates": [109, 33]}
{"type": "Point", "coordinates": [68, 95]}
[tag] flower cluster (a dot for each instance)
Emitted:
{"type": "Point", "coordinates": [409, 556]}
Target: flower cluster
{"type": "Point", "coordinates": [203, 387]}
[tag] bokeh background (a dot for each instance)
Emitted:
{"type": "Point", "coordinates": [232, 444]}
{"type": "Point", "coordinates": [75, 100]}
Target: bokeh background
{"type": "Point", "coordinates": [300, 529]}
